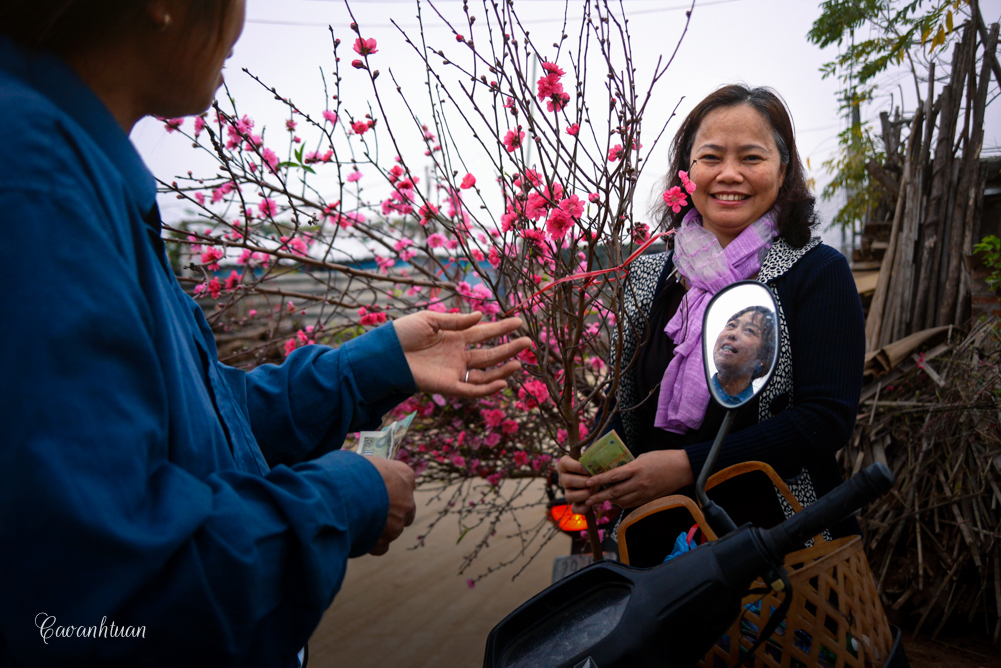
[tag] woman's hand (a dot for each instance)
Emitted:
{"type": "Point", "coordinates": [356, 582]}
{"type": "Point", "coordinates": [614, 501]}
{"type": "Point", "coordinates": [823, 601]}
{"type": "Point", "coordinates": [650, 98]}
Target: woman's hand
{"type": "Point", "coordinates": [573, 480]}
{"type": "Point", "coordinates": [648, 477]}
{"type": "Point", "coordinates": [435, 347]}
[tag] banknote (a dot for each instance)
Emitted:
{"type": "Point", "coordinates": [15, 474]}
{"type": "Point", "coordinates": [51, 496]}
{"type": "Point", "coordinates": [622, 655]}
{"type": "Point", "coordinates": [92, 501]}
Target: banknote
{"type": "Point", "coordinates": [375, 443]}
{"type": "Point", "coordinates": [605, 454]}
{"type": "Point", "coordinates": [385, 442]}
{"type": "Point", "coordinates": [398, 430]}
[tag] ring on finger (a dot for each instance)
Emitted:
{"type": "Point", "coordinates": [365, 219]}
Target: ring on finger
{"type": "Point", "coordinates": [466, 379]}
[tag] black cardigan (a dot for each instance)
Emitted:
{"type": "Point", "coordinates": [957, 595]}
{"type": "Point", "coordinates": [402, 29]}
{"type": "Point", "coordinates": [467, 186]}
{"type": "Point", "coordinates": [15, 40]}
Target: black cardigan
{"type": "Point", "coordinates": [827, 337]}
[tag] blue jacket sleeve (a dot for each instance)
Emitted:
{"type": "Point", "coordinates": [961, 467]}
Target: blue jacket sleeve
{"type": "Point", "coordinates": [99, 523]}
{"type": "Point", "coordinates": [307, 405]}
{"type": "Point", "coordinates": [827, 336]}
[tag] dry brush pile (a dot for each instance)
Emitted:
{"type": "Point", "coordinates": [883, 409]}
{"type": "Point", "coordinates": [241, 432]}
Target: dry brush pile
{"type": "Point", "coordinates": [934, 543]}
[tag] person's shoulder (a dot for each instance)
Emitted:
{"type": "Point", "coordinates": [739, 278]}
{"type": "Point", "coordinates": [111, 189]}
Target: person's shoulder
{"type": "Point", "coordinates": [824, 253]}
{"type": "Point", "coordinates": [646, 270]}
{"type": "Point", "coordinates": [818, 256]}
{"type": "Point", "coordinates": [37, 139]}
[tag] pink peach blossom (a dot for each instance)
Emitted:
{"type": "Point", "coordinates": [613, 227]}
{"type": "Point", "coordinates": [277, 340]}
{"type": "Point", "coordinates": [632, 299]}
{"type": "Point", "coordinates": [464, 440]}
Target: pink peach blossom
{"type": "Point", "coordinates": [553, 68]}
{"type": "Point", "coordinates": [558, 223]}
{"type": "Point", "coordinates": [267, 207]}
{"type": "Point", "coordinates": [688, 185]}
{"type": "Point", "coordinates": [271, 158]}
{"type": "Point", "coordinates": [513, 139]}
{"type": "Point", "coordinates": [365, 47]}
{"type": "Point", "coordinates": [675, 199]}
{"type": "Point", "coordinates": [427, 212]}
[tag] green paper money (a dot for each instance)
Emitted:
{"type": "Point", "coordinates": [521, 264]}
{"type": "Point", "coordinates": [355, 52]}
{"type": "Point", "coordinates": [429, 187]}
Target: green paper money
{"type": "Point", "coordinates": [605, 454]}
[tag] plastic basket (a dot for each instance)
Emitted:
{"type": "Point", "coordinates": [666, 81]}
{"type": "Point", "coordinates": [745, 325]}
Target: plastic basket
{"type": "Point", "coordinates": [836, 618]}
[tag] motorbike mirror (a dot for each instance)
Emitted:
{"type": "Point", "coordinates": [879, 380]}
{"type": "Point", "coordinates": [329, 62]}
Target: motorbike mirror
{"type": "Point", "coordinates": [740, 335]}
{"type": "Point", "coordinates": [740, 340]}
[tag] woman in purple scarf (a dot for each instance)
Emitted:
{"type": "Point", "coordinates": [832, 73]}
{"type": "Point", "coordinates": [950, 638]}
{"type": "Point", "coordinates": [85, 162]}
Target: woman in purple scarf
{"type": "Point", "coordinates": [749, 217]}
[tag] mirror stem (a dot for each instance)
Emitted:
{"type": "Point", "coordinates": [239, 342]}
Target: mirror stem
{"type": "Point", "coordinates": [716, 516]}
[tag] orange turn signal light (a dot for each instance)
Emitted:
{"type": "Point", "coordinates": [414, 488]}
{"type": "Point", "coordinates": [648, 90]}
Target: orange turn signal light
{"type": "Point", "coordinates": [566, 519]}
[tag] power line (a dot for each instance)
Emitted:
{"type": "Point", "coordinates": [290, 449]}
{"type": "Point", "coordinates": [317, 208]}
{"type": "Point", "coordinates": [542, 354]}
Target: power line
{"type": "Point", "coordinates": [317, 24]}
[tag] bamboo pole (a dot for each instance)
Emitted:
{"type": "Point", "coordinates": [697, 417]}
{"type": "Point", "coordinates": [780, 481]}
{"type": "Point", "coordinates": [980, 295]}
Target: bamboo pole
{"type": "Point", "coordinates": [874, 322]}
{"type": "Point", "coordinates": [977, 96]}
{"type": "Point", "coordinates": [951, 166]}
{"type": "Point", "coordinates": [929, 228]}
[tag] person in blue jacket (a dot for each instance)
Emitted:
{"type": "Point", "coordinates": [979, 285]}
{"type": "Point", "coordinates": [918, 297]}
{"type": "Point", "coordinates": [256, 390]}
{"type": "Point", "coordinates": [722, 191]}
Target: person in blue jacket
{"type": "Point", "coordinates": [156, 506]}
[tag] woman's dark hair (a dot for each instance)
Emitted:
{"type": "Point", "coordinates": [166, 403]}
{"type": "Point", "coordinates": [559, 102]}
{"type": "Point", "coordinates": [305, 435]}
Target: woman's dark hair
{"type": "Point", "coordinates": [796, 204]}
{"type": "Point", "coordinates": [65, 26]}
{"type": "Point", "coordinates": [767, 325]}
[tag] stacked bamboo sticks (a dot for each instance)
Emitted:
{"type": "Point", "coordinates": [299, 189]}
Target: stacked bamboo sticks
{"type": "Point", "coordinates": [939, 198]}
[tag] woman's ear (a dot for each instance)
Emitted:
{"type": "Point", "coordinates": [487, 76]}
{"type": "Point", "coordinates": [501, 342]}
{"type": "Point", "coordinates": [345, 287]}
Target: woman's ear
{"type": "Point", "coordinates": [164, 14]}
{"type": "Point", "coordinates": [159, 14]}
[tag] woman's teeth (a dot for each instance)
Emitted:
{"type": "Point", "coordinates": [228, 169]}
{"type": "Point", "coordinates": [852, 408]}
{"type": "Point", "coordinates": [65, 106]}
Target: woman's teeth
{"type": "Point", "coordinates": [731, 198]}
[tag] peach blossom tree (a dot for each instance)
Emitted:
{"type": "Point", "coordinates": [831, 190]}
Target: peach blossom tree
{"type": "Point", "coordinates": [520, 201]}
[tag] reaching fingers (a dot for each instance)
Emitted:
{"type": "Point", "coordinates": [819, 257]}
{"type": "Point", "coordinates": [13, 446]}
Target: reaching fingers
{"type": "Point", "coordinates": [470, 391]}
{"type": "Point", "coordinates": [478, 377]}
{"type": "Point", "coordinates": [491, 330]}
{"type": "Point", "coordinates": [480, 358]}
{"type": "Point", "coordinates": [455, 321]}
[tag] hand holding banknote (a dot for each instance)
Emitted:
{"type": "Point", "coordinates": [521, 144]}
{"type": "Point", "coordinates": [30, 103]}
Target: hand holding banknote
{"type": "Point", "coordinates": [399, 480]}
{"type": "Point", "coordinates": [650, 476]}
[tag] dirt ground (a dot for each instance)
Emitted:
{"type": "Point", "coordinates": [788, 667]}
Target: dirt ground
{"type": "Point", "coordinates": [972, 652]}
{"type": "Point", "coordinates": [411, 608]}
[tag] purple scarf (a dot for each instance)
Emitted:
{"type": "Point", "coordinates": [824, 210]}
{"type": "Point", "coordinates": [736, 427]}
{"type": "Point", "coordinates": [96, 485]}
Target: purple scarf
{"type": "Point", "coordinates": [707, 268]}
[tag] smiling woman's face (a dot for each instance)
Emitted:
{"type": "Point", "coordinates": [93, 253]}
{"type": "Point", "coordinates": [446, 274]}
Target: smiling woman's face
{"type": "Point", "coordinates": [737, 170]}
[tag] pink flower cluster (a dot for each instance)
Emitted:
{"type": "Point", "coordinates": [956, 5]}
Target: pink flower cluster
{"type": "Point", "coordinates": [550, 89]}
{"type": "Point", "coordinates": [371, 316]}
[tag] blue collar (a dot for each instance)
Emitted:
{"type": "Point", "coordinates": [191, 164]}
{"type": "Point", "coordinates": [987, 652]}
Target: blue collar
{"type": "Point", "coordinates": [52, 77]}
{"type": "Point", "coordinates": [731, 400]}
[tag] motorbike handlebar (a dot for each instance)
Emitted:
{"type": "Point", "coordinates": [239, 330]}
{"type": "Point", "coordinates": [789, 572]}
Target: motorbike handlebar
{"type": "Point", "coordinates": [868, 485]}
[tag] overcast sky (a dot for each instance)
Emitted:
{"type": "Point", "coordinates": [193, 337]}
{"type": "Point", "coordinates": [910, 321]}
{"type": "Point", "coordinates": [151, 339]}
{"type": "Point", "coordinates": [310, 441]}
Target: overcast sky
{"type": "Point", "coordinates": [758, 42]}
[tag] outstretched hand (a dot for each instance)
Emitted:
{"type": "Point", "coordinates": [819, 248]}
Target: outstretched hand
{"type": "Point", "coordinates": [435, 345]}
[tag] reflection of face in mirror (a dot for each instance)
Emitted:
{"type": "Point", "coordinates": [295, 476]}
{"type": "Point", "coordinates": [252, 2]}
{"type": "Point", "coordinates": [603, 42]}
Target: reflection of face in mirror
{"type": "Point", "coordinates": [743, 352]}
